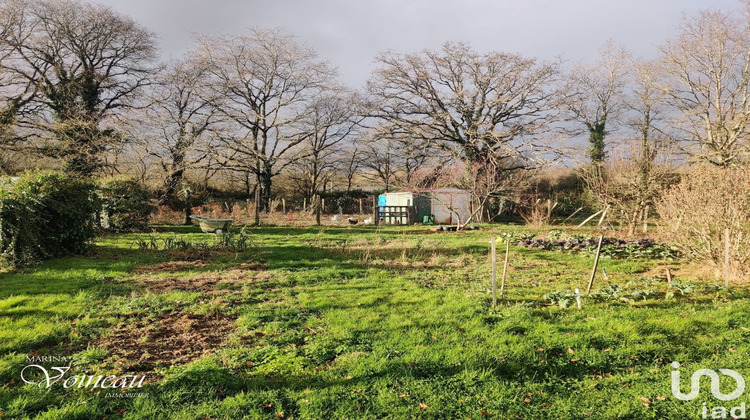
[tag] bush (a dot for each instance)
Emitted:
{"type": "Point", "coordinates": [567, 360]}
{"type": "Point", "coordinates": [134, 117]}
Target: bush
{"type": "Point", "coordinates": [45, 215]}
{"type": "Point", "coordinates": [702, 206]}
{"type": "Point", "coordinates": [126, 205]}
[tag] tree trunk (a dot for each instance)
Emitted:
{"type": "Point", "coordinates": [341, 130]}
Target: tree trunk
{"type": "Point", "coordinates": [265, 180]}
{"type": "Point", "coordinates": [633, 219]}
{"type": "Point", "coordinates": [170, 186]}
{"type": "Point", "coordinates": [257, 206]}
{"type": "Point", "coordinates": [318, 205]}
{"type": "Point", "coordinates": [188, 208]}
{"type": "Point", "coordinates": [248, 189]}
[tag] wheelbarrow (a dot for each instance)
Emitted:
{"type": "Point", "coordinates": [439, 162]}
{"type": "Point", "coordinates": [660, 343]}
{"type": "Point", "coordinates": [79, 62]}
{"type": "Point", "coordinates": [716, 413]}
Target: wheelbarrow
{"type": "Point", "coordinates": [213, 225]}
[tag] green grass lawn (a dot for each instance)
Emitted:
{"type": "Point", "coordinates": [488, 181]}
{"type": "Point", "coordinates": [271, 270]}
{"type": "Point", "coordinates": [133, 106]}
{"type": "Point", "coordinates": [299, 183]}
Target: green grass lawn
{"type": "Point", "coordinates": [354, 322]}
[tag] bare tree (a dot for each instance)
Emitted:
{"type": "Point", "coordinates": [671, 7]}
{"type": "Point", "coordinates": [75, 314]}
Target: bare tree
{"type": "Point", "coordinates": [15, 92]}
{"type": "Point", "coordinates": [456, 98]}
{"type": "Point", "coordinates": [708, 66]}
{"type": "Point", "coordinates": [83, 63]}
{"type": "Point", "coordinates": [634, 179]}
{"type": "Point", "coordinates": [378, 159]}
{"type": "Point", "coordinates": [330, 121]}
{"type": "Point", "coordinates": [350, 165]}
{"type": "Point", "coordinates": [267, 81]}
{"type": "Point", "coordinates": [179, 114]}
{"type": "Point", "coordinates": [647, 106]}
{"type": "Point", "coordinates": [595, 98]}
{"type": "Point", "coordinates": [414, 157]}
{"type": "Point", "coordinates": [395, 159]}
{"type": "Point", "coordinates": [487, 112]}
{"type": "Point", "coordinates": [134, 159]}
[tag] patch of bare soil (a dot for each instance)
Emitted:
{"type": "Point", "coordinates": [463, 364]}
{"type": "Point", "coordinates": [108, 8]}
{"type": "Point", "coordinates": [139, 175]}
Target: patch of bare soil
{"type": "Point", "coordinates": [251, 266]}
{"type": "Point", "coordinates": [195, 254]}
{"type": "Point", "coordinates": [170, 267]}
{"type": "Point", "coordinates": [207, 282]}
{"type": "Point", "coordinates": [140, 345]}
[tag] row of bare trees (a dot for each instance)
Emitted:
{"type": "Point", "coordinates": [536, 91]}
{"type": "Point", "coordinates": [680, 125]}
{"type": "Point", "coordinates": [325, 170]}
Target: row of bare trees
{"type": "Point", "coordinates": [258, 103]}
{"type": "Point", "coordinates": [689, 105]}
{"type": "Point", "coordinates": [80, 84]}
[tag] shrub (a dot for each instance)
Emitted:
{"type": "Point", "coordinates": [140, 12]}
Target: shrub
{"type": "Point", "coordinates": [45, 215]}
{"type": "Point", "coordinates": [126, 205]}
{"type": "Point", "coordinates": [702, 206]}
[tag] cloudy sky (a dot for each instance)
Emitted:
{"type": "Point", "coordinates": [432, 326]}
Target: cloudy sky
{"type": "Point", "coordinates": [350, 32]}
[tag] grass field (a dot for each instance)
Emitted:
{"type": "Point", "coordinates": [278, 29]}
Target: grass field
{"type": "Point", "coordinates": [354, 322]}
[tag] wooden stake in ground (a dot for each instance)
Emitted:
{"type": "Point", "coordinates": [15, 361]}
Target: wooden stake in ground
{"type": "Point", "coordinates": [493, 256]}
{"type": "Point", "coordinates": [726, 257]}
{"type": "Point", "coordinates": [283, 205]}
{"type": "Point", "coordinates": [574, 213]}
{"type": "Point", "coordinates": [596, 264]}
{"type": "Point", "coordinates": [590, 217]}
{"type": "Point", "coordinates": [505, 265]}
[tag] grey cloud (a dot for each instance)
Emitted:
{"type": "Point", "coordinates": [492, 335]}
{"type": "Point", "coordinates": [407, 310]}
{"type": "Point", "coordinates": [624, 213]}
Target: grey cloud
{"type": "Point", "coordinates": [350, 32]}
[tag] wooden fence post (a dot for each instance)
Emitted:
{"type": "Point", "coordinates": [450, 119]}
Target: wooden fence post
{"type": "Point", "coordinates": [283, 205]}
{"type": "Point", "coordinates": [596, 264]}
{"type": "Point", "coordinates": [361, 208]}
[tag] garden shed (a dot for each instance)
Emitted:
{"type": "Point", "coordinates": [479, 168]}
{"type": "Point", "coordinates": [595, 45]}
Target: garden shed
{"type": "Point", "coordinates": [440, 205]}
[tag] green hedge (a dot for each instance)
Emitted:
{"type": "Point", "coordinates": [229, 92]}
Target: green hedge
{"type": "Point", "coordinates": [45, 215]}
{"type": "Point", "coordinates": [126, 205]}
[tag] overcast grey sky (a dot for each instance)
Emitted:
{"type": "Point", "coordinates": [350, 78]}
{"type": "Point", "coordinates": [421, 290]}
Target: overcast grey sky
{"type": "Point", "coordinates": [350, 32]}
